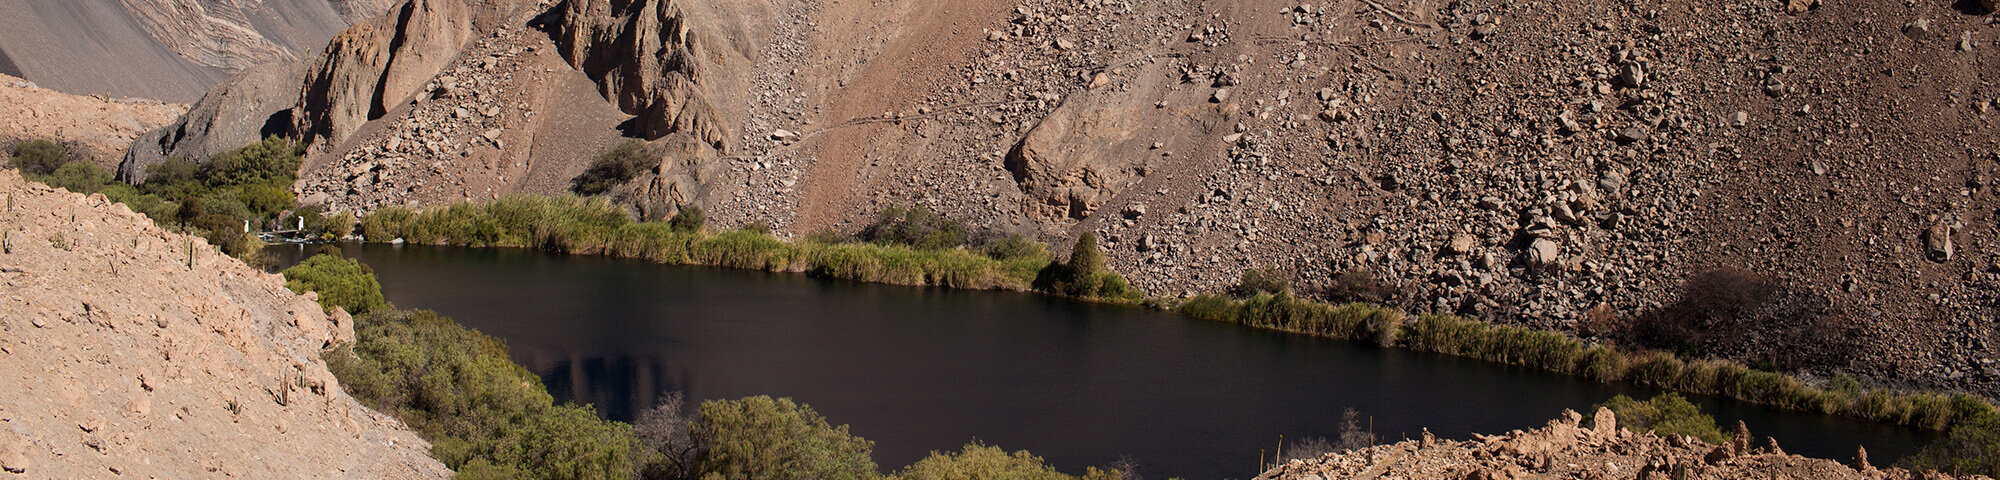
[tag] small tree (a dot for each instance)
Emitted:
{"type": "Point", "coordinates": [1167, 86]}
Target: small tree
{"type": "Point", "coordinates": [1085, 258]}
{"type": "Point", "coordinates": [666, 432]}
{"type": "Point", "coordinates": [341, 282]}
{"type": "Point", "coordinates": [39, 157]}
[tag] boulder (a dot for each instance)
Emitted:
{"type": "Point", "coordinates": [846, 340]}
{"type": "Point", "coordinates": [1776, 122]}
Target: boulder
{"type": "Point", "coordinates": [238, 112]}
{"type": "Point", "coordinates": [1543, 253]}
{"type": "Point", "coordinates": [378, 63]}
{"type": "Point", "coordinates": [1071, 162]}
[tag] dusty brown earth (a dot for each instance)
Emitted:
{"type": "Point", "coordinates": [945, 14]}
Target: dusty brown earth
{"type": "Point", "coordinates": [93, 127]}
{"type": "Point", "coordinates": [131, 352]}
{"type": "Point", "coordinates": [1566, 449]}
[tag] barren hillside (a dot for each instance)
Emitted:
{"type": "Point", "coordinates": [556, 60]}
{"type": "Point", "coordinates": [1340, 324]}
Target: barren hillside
{"type": "Point", "coordinates": [132, 352]}
{"type": "Point", "coordinates": [170, 50]}
{"type": "Point", "coordinates": [1518, 162]}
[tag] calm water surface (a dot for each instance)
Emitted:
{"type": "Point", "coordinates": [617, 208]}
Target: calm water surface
{"type": "Point", "coordinates": [921, 369]}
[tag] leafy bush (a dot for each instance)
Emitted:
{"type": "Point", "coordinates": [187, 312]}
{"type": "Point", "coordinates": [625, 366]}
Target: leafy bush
{"type": "Point", "coordinates": [274, 161]}
{"type": "Point", "coordinates": [977, 461]}
{"type": "Point", "coordinates": [915, 227]}
{"type": "Point", "coordinates": [1357, 286]}
{"type": "Point", "coordinates": [1666, 414]}
{"type": "Point", "coordinates": [1970, 449]}
{"type": "Point", "coordinates": [1260, 280]}
{"type": "Point", "coordinates": [689, 219]}
{"type": "Point", "coordinates": [1084, 275]}
{"type": "Point", "coordinates": [613, 168]}
{"type": "Point", "coordinates": [39, 157]}
{"type": "Point", "coordinates": [483, 414]}
{"type": "Point", "coordinates": [341, 282]}
{"type": "Point", "coordinates": [81, 177]}
{"type": "Point", "coordinates": [1016, 247]}
{"type": "Point", "coordinates": [763, 438]}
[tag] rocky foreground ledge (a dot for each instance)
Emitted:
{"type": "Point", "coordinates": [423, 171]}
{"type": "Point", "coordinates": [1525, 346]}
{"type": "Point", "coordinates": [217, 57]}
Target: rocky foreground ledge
{"type": "Point", "coordinates": [1565, 449]}
{"type": "Point", "coordinates": [129, 351]}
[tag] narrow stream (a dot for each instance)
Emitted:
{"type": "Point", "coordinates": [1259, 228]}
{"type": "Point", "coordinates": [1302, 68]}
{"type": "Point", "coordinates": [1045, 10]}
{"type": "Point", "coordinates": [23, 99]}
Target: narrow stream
{"type": "Point", "coordinates": [922, 369]}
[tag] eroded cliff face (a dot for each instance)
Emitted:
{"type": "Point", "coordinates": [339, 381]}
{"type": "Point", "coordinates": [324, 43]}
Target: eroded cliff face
{"type": "Point", "coordinates": [377, 62]}
{"type": "Point", "coordinates": [131, 351]}
{"type": "Point", "coordinates": [678, 66]}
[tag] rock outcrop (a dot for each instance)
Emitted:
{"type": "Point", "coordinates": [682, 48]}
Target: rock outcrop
{"type": "Point", "coordinates": [376, 63]}
{"type": "Point", "coordinates": [241, 111]}
{"type": "Point", "coordinates": [678, 66]}
{"type": "Point", "coordinates": [129, 351]}
{"type": "Point", "coordinates": [1566, 449]}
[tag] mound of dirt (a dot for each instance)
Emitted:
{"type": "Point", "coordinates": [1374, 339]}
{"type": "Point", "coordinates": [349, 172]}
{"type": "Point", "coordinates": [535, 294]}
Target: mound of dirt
{"type": "Point", "coordinates": [130, 351]}
{"type": "Point", "coordinates": [92, 127]}
{"type": "Point", "coordinates": [1565, 449]}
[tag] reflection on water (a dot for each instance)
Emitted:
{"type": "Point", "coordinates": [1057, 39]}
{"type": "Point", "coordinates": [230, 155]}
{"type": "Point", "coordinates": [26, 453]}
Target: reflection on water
{"type": "Point", "coordinates": [918, 369]}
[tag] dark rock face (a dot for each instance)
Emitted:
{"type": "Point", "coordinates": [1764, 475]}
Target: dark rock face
{"type": "Point", "coordinates": [240, 111]}
{"type": "Point", "coordinates": [678, 66]}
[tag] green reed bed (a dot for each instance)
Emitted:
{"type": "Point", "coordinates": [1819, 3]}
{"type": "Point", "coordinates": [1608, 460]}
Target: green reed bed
{"type": "Point", "coordinates": [595, 226]}
{"type": "Point", "coordinates": [1561, 353]}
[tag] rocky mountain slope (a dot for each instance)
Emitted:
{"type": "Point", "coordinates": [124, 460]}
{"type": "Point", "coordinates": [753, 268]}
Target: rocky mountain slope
{"type": "Point", "coordinates": [132, 352]}
{"type": "Point", "coordinates": [93, 127]}
{"type": "Point", "coordinates": [1566, 449]}
{"type": "Point", "coordinates": [1523, 163]}
{"type": "Point", "coordinates": [171, 50]}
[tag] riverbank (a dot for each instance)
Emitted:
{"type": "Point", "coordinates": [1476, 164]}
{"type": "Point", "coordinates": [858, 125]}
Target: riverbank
{"type": "Point", "coordinates": [576, 225]}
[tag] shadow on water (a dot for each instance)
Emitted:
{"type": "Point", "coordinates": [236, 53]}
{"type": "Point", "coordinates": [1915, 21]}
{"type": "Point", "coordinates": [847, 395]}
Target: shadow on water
{"type": "Point", "coordinates": [918, 369]}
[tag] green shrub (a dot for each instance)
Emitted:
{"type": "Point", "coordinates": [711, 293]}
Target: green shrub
{"type": "Point", "coordinates": [915, 227]}
{"type": "Point", "coordinates": [613, 168]}
{"type": "Point", "coordinates": [341, 282]}
{"type": "Point", "coordinates": [1970, 449]}
{"type": "Point", "coordinates": [1260, 280]}
{"type": "Point", "coordinates": [977, 461]}
{"type": "Point", "coordinates": [38, 157]}
{"type": "Point", "coordinates": [1016, 247]}
{"type": "Point", "coordinates": [274, 161]}
{"type": "Point", "coordinates": [763, 438]}
{"type": "Point", "coordinates": [690, 219]}
{"type": "Point", "coordinates": [1666, 414]}
{"type": "Point", "coordinates": [483, 414]}
{"type": "Point", "coordinates": [80, 177]}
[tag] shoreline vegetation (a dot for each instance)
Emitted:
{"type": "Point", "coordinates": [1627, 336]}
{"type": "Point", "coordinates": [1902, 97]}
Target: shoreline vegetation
{"type": "Point", "coordinates": [487, 417]}
{"type": "Point", "coordinates": [570, 224]}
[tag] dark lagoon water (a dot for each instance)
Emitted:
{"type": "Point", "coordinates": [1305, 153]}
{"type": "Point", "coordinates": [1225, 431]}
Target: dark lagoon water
{"type": "Point", "coordinates": [921, 369]}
